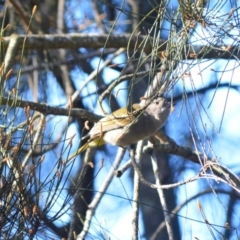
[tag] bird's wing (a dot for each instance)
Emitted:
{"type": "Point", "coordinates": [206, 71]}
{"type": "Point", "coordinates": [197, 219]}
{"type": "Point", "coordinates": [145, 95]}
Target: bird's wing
{"type": "Point", "coordinates": [111, 121]}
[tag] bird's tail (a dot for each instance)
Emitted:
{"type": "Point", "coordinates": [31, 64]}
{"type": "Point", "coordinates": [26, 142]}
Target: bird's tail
{"type": "Point", "coordinates": [79, 151]}
{"type": "Point", "coordinates": [90, 144]}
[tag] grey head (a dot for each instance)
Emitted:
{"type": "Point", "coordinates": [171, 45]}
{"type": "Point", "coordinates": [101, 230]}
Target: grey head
{"type": "Point", "coordinates": [159, 108]}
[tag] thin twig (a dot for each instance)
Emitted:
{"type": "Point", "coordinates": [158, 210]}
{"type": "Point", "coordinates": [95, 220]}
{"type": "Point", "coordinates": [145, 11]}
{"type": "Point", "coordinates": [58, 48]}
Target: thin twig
{"type": "Point", "coordinates": [93, 205]}
{"type": "Point", "coordinates": [35, 140]}
{"type": "Point", "coordinates": [136, 185]}
{"type": "Point", "coordinates": [127, 165]}
{"type": "Point", "coordinates": [154, 186]}
{"type": "Point", "coordinates": [95, 72]}
{"type": "Point", "coordinates": [166, 214]}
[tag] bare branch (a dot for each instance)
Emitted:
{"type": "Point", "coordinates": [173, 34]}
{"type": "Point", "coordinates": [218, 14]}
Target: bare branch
{"type": "Point", "coordinates": [95, 41]}
{"type": "Point", "coordinates": [47, 110]}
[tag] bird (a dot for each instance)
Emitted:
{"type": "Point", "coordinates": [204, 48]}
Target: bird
{"type": "Point", "coordinates": [125, 127]}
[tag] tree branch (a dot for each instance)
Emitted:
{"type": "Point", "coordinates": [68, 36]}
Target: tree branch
{"type": "Point", "coordinates": [95, 41]}
{"type": "Point", "coordinates": [46, 109]}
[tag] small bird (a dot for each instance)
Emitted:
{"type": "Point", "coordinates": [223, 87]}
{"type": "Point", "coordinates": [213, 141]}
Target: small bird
{"type": "Point", "coordinates": [123, 127]}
